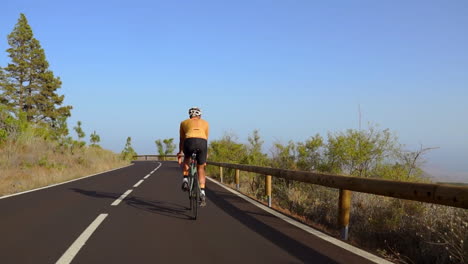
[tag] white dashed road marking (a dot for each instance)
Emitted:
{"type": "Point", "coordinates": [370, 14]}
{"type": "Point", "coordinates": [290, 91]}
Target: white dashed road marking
{"type": "Point", "coordinates": [68, 256]}
{"type": "Point", "coordinates": [137, 184]}
{"type": "Point", "coordinates": [116, 202]}
{"type": "Point", "coordinates": [153, 171]}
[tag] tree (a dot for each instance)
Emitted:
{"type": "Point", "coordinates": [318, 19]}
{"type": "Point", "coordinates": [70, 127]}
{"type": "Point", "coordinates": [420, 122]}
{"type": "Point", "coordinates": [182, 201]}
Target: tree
{"type": "Point", "coordinates": [284, 156]}
{"type": "Point", "coordinates": [95, 139]}
{"type": "Point", "coordinates": [7, 124]}
{"type": "Point", "coordinates": [3, 80]}
{"type": "Point", "coordinates": [28, 85]}
{"type": "Point", "coordinates": [10, 126]}
{"type": "Point", "coordinates": [81, 134]}
{"type": "Point", "coordinates": [165, 147]}
{"type": "Point", "coordinates": [309, 153]}
{"type": "Point", "coordinates": [160, 147]}
{"type": "Point", "coordinates": [412, 161]}
{"type": "Point", "coordinates": [2, 76]}
{"type": "Point", "coordinates": [254, 155]}
{"type": "Point", "coordinates": [170, 146]}
{"type": "Point", "coordinates": [357, 152]}
{"type": "Point", "coordinates": [60, 128]}
{"type": "Point", "coordinates": [128, 152]}
{"type": "Point", "coordinates": [227, 149]}
{"type": "Point", "coordinates": [79, 131]}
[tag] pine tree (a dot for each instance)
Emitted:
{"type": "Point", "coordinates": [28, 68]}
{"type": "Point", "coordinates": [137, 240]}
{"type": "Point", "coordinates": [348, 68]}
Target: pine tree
{"type": "Point", "coordinates": [3, 101]}
{"type": "Point", "coordinates": [95, 139]}
{"type": "Point", "coordinates": [60, 128]}
{"type": "Point", "coordinates": [29, 85]}
{"type": "Point", "coordinates": [81, 134]}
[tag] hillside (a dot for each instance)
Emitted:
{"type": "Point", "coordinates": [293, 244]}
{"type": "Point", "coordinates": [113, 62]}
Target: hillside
{"type": "Point", "coordinates": [31, 162]}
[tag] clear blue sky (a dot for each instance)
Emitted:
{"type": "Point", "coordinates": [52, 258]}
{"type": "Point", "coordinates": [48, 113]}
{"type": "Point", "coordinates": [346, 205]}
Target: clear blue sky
{"type": "Point", "coordinates": [288, 68]}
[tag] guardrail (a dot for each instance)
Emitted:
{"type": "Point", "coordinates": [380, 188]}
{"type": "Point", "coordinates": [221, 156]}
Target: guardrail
{"type": "Point", "coordinates": [157, 157]}
{"type": "Point", "coordinates": [443, 194]}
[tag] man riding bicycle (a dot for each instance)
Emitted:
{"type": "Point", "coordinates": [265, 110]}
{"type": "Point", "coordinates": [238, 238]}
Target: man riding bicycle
{"type": "Point", "coordinates": [194, 138]}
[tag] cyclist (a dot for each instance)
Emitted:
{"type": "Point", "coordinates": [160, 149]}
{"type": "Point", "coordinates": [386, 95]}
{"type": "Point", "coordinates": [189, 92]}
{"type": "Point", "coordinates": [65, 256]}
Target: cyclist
{"type": "Point", "coordinates": [194, 137]}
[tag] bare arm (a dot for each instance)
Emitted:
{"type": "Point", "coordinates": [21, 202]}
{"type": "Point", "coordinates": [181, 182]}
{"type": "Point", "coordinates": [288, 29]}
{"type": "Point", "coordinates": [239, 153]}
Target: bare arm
{"type": "Point", "coordinates": [181, 139]}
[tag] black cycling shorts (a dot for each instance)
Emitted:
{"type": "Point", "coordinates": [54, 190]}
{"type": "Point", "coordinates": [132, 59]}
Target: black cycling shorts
{"type": "Point", "coordinates": [198, 145]}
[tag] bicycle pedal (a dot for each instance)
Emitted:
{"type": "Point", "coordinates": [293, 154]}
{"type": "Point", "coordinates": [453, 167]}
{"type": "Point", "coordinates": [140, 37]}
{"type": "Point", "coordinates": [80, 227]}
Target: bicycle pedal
{"type": "Point", "coordinates": [202, 201]}
{"type": "Point", "coordinates": [185, 186]}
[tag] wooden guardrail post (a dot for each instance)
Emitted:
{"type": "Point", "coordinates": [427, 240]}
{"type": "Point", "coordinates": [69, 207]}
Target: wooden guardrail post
{"type": "Point", "coordinates": [268, 188]}
{"type": "Point", "coordinates": [146, 157]}
{"type": "Point", "coordinates": [221, 173]}
{"type": "Point", "coordinates": [344, 207]}
{"type": "Point", "coordinates": [237, 179]}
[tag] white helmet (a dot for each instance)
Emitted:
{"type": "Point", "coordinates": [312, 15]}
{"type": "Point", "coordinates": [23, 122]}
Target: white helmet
{"type": "Point", "coordinates": [194, 111]}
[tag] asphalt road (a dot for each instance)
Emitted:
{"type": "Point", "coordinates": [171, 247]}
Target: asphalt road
{"type": "Point", "coordinates": [76, 221]}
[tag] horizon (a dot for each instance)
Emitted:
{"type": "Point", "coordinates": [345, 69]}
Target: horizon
{"type": "Point", "coordinates": [290, 70]}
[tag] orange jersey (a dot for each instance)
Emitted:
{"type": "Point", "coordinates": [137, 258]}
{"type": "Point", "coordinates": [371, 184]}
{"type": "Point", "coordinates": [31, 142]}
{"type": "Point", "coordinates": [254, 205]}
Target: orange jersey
{"type": "Point", "coordinates": [194, 128]}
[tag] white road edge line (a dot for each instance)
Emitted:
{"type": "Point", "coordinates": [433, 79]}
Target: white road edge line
{"type": "Point", "coordinates": [116, 202]}
{"type": "Point", "coordinates": [68, 256]}
{"type": "Point", "coordinates": [53, 185]}
{"type": "Point", "coordinates": [308, 229]}
{"type": "Point", "coordinates": [138, 184]}
{"type": "Point", "coordinates": [146, 177]}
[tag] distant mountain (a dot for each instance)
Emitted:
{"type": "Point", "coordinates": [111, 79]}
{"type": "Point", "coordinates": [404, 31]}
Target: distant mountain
{"type": "Point", "coordinates": [429, 176]}
{"type": "Point", "coordinates": [445, 176]}
{"type": "Point", "coordinates": [454, 183]}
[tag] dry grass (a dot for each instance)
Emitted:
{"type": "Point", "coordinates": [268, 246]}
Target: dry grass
{"type": "Point", "coordinates": [31, 162]}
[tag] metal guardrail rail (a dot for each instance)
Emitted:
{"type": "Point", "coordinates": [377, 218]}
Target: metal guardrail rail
{"type": "Point", "coordinates": [158, 157]}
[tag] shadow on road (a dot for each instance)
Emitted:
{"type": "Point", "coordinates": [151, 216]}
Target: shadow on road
{"type": "Point", "coordinates": [110, 196]}
{"type": "Point", "coordinates": [158, 207]}
{"type": "Point", "coordinates": [249, 215]}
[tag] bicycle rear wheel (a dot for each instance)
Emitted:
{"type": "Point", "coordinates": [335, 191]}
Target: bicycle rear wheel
{"type": "Point", "coordinates": [189, 192]}
{"type": "Point", "coordinates": [195, 197]}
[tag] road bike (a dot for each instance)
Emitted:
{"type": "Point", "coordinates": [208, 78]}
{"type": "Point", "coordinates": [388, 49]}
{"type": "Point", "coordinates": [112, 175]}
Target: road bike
{"type": "Point", "coordinates": [194, 186]}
